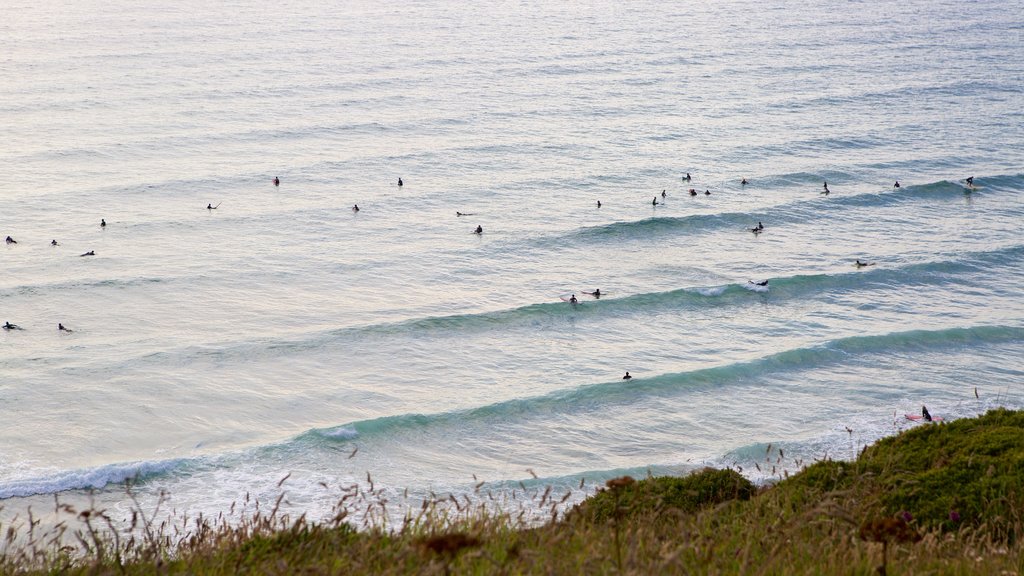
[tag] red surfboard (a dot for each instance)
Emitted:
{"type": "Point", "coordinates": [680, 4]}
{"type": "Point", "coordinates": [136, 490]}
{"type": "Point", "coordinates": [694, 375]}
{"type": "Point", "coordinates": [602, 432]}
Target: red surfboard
{"type": "Point", "coordinates": [918, 417]}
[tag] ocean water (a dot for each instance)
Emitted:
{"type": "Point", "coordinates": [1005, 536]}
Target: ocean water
{"type": "Point", "coordinates": [215, 352]}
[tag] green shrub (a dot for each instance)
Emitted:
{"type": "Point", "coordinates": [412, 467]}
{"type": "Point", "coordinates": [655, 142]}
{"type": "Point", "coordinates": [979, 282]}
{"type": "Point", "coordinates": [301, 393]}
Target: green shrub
{"type": "Point", "coordinates": [968, 472]}
{"type": "Point", "coordinates": [707, 487]}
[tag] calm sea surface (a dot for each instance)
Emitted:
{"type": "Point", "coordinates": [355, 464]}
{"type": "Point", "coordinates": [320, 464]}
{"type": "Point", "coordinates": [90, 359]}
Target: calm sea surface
{"type": "Point", "coordinates": [213, 352]}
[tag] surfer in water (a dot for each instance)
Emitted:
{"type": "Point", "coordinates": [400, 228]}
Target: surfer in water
{"type": "Point", "coordinates": [9, 326]}
{"type": "Point", "coordinates": [825, 186]}
{"type": "Point", "coordinates": [61, 328]}
{"type": "Point", "coordinates": [757, 229]}
{"type": "Point", "coordinates": [400, 183]}
{"type": "Point", "coordinates": [627, 376]}
{"type": "Point", "coordinates": [11, 240]}
{"type": "Point", "coordinates": [897, 184]}
{"type": "Point", "coordinates": [860, 264]}
{"type": "Point", "coordinates": [355, 207]}
{"type": "Point", "coordinates": [924, 414]}
{"type": "Point", "coordinates": [693, 192]}
{"type": "Point", "coordinates": [103, 223]}
{"type": "Point", "coordinates": [277, 181]}
{"type": "Point", "coordinates": [970, 181]}
{"type": "Point", "coordinates": [743, 182]}
{"type": "Point", "coordinates": [479, 230]}
{"type": "Point", "coordinates": [212, 207]}
{"type": "Point", "coordinates": [655, 201]}
{"type": "Point", "coordinates": [463, 214]}
{"type": "Point", "coordinates": [89, 253]}
{"type": "Point", "coordinates": [707, 192]}
{"type": "Point", "coordinates": [54, 243]}
{"type": "Point", "coordinates": [573, 300]}
{"type": "Point", "coordinates": [763, 283]}
{"type": "Point", "coordinates": [662, 193]}
{"type": "Point", "coordinates": [596, 293]}
{"type": "Point", "coordinates": [687, 178]}
{"type": "Point", "coordinates": [598, 203]}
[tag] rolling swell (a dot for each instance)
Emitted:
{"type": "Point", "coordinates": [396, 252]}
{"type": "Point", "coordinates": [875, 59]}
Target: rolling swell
{"type": "Point", "coordinates": [690, 298]}
{"type": "Point", "coordinates": [117, 283]}
{"type": "Point", "coordinates": [793, 212]}
{"type": "Point", "coordinates": [555, 403]}
{"type": "Point", "coordinates": [605, 393]}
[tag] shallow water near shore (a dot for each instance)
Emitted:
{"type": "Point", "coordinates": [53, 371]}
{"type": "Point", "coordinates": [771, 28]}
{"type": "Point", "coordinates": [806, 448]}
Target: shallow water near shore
{"type": "Point", "coordinates": [214, 352]}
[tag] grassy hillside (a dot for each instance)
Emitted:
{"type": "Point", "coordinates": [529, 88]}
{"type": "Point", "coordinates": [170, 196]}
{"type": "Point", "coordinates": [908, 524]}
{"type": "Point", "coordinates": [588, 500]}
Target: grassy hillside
{"type": "Point", "coordinates": [937, 499]}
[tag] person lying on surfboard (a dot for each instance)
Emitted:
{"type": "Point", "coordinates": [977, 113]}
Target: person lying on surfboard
{"type": "Point", "coordinates": [763, 283]}
{"type": "Point", "coordinates": [596, 293]}
{"type": "Point", "coordinates": [860, 264]}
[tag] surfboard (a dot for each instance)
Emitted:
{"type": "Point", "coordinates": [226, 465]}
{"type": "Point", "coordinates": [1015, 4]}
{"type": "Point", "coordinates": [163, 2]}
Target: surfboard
{"type": "Point", "coordinates": [918, 417]}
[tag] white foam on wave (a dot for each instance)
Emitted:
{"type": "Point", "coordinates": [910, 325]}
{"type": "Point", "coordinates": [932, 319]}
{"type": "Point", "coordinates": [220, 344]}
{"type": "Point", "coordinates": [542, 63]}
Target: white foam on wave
{"type": "Point", "coordinates": [343, 433]}
{"type": "Point", "coordinates": [83, 479]}
{"type": "Point", "coordinates": [712, 291]}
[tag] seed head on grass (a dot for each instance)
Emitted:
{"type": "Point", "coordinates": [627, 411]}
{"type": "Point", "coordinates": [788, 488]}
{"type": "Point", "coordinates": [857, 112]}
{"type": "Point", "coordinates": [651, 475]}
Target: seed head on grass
{"type": "Point", "coordinates": [450, 544]}
{"type": "Point", "coordinates": [890, 529]}
{"type": "Point", "coordinates": [620, 482]}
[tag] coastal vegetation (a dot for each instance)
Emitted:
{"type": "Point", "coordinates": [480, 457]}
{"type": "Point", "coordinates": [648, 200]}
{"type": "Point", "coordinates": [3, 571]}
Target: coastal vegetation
{"type": "Point", "coordinates": [943, 498]}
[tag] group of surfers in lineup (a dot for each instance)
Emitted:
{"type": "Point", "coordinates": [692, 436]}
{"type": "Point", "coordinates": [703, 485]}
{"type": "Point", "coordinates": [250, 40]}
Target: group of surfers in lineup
{"type": "Point", "coordinates": [479, 230]}
{"type": "Point", "coordinates": [60, 327]}
{"type": "Point", "coordinates": [757, 230]}
{"type": "Point", "coordinates": [103, 224]}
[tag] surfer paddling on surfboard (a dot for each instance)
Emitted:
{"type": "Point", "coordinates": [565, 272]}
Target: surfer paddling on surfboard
{"type": "Point", "coordinates": [860, 264]}
{"type": "Point", "coordinates": [924, 417]}
{"type": "Point", "coordinates": [596, 293]}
